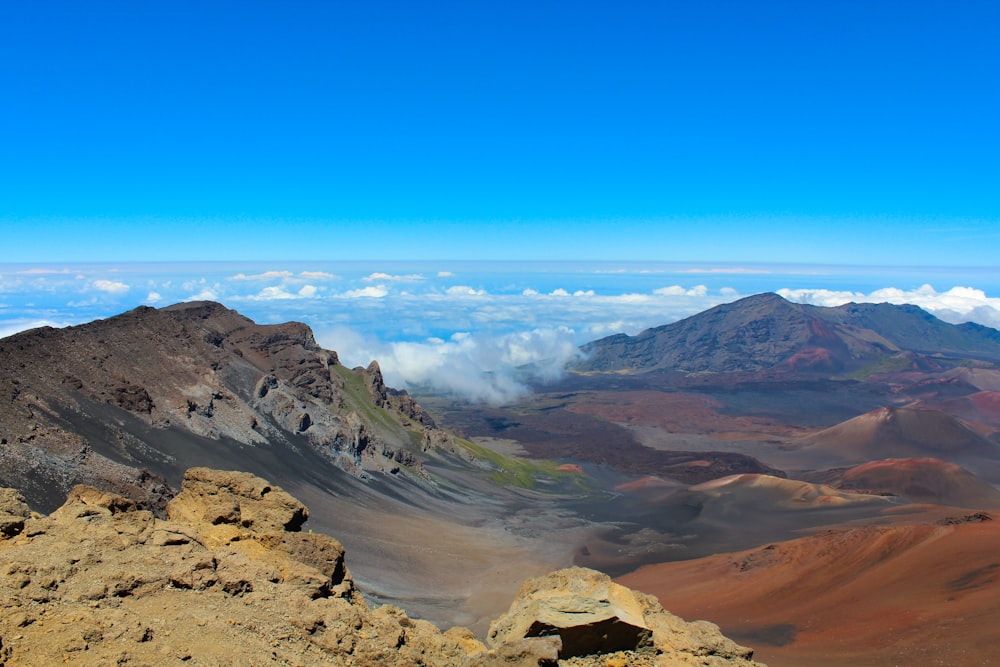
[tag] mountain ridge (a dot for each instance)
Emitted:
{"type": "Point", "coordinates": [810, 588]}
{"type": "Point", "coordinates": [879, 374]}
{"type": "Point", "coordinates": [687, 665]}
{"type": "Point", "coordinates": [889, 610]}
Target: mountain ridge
{"type": "Point", "coordinates": [98, 401]}
{"type": "Point", "coordinates": [765, 331]}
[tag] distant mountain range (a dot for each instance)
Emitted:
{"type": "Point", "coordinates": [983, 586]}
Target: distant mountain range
{"type": "Point", "coordinates": [765, 331]}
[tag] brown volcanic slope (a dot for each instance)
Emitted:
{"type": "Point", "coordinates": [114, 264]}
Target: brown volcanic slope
{"type": "Point", "coordinates": [766, 331]}
{"type": "Point", "coordinates": [926, 480]}
{"type": "Point", "coordinates": [907, 595]}
{"type": "Point", "coordinates": [727, 514]}
{"type": "Point", "coordinates": [897, 433]}
{"type": "Point", "coordinates": [981, 409]}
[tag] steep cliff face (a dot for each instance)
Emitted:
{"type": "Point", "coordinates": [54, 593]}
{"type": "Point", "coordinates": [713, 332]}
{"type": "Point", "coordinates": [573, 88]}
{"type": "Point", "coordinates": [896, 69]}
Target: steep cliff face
{"type": "Point", "coordinates": [228, 579]}
{"type": "Point", "coordinates": [129, 402]}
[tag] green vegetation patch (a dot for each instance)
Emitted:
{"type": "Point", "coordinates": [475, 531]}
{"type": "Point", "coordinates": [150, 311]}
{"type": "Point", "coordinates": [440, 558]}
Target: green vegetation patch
{"type": "Point", "coordinates": [360, 400]}
{"type": "Point", "coordinates": [893, 364]}
{"type": "Point", "coordinates": [517, 472]}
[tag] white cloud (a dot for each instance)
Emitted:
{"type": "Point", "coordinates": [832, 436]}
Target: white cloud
{"type": "Point", "coordinates": [956, 305]}
{"type": "Point", "coordinates": [111, 286]}
{"type": "Point", "coordinates": [318, 275]}
{"type": "Point", "coordinates": [477, 368]}
{"type": "Point", "coordinates": [206, 294]}
{"type": "Point", "coordinates": [372, 291]}
{"type": "Point", "coordinates": [412, 277]}
{"type": "Point", "coordinates": [266, 275]}
{"type": "Point", "coordinates": [465, 290]}
{"type": "Point", "coordinates": [677, 290]}
{"type": "Point", "coordinates": [559, 292]}
{"type": "Point", "coordinates": [445, 274]}
{"type": "Point", "coordinates": [273, 292]}
{"type": "Point", "coordinates": [41, 272]}
{"type": "Point", "coordinates": [279, 293]}
{"type": "Point", "coordinates": [153, 297]}
{"type": "Point", "coordinates": [529, 292]}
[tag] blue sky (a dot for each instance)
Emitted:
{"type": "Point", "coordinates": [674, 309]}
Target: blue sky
{"type": "Point", "coordinates": [840, 132]}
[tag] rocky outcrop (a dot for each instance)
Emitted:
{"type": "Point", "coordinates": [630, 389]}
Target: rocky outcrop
{"type": "Point", "coordinates": [579, 613]}
{"type": "Point", "coordinates": [228, 579]}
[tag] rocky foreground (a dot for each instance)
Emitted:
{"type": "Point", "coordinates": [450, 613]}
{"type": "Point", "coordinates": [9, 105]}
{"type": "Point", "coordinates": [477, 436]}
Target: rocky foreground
{"type": "Point", "coordinates": [229, 579]}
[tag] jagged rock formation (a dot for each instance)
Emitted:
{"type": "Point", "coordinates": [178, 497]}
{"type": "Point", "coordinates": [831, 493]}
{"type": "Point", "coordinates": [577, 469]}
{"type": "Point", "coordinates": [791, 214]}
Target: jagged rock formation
{"type": "Point", "coordinates": [128, 403]}
{"type": "Point", "coordinates": [227, 579]}
{"type": "Point", "coordinates": [765, 331]}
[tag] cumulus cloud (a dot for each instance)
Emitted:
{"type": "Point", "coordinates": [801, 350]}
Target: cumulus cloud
{"type": "Point", "coordinates": [206, 294]}
{"type": "Point", "coordinates": [111, 286]}
{"type": "Point", "coordinates": [153, 297]}
{"type": "Point", "coordinates": [411, 277]}
{"type": "Point", "coordinates": [465, 290]}
{"type": "Point", "coordinates": [277, 292]}
{"type": "Point", "coordinates": [266, 275]}
{"type": "Point", "coordinates": [475, 367]}
{"type": "Point", "coordinates": [956, 305]}
{"type": "Point", "coordinates": [372, 291]}
{"type": "Point", "coordinates": [318, 275]}
{"type": "Point", "coordinates": [273, 292]}
{"type": "Point", "coordinates": [677, 290]}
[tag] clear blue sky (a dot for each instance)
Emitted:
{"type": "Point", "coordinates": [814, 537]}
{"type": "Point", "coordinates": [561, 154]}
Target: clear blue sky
{"type": "Point", "coordinates": [833, 131]}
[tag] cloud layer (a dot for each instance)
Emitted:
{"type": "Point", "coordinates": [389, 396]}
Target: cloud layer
{"type": "Point", "coordinates": [479, 331]}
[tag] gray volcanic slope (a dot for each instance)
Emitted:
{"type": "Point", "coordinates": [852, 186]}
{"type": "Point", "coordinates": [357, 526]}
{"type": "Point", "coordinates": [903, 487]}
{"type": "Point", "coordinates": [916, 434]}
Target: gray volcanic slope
{"type": "Point", "coordinates": [130, 402]}
{"type": "Point", "coordinates": [766, 331]}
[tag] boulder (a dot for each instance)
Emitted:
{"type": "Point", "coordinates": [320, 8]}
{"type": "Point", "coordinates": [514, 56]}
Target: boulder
{"type": "Point", "coordinates": [13, 511]}
{"type": "Point", "coordinates": [590, 615]}
{"type": "Point", "coordinates": [239, 498]}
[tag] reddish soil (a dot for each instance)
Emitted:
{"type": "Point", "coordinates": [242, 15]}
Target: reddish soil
{"type": "Point", "coordinates": [927, 480]}
{"type": "Point", "coordinates": [918, 595]}
{"type": "Point", "coordinates": [676, 412]}
{"type": "Point", "coordinates": [981, 410]}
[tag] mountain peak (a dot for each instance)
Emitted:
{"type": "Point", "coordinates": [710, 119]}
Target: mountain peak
{"type": "Point", "coordinates": [765, 331]}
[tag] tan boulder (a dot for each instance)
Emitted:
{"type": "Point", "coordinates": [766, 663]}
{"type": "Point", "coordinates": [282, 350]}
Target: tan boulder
{"type": "Point", "coordinates": [235, 498]}
{"type": "Point", "coordinates": [590, 615]}
{"type": "Point", "coordinates": [13, 511]}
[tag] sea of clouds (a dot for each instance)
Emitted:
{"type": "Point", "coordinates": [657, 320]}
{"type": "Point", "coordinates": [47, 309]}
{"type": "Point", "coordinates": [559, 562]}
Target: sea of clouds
{"type": "Point", "coordinates": [481, 331]}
